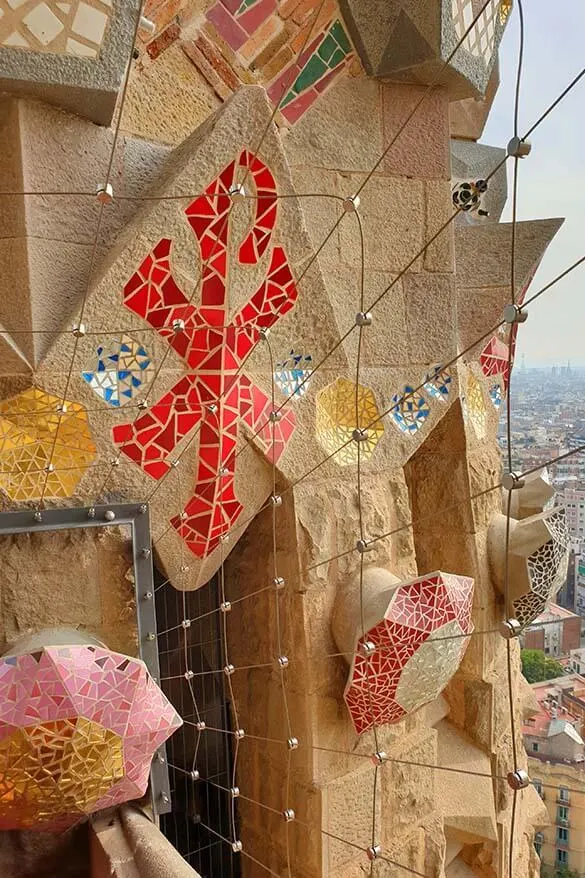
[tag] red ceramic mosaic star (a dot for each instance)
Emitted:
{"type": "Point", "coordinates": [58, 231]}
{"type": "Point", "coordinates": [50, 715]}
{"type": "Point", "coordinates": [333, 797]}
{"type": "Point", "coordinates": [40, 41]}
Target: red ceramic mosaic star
{"type": "Point", "coordinates": [213, 345]}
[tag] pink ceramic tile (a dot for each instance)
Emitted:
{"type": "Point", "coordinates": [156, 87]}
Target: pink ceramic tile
{"type": "Point", "coordinates": [256, 15]}
{"type": "Point", "coordinates": [226, 26]}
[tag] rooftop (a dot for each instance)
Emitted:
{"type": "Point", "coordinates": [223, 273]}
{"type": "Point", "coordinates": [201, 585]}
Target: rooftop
{"type": "Point", "coordinates": [553, 717]}
{"type": "Point", "coordinates": [570, 682]}
{"type": "Point", "coordinates": [553, 613]}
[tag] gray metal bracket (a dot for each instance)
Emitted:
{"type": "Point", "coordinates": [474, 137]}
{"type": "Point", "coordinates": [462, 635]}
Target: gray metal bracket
{"type": "Point", "coordinates": [136, 516]}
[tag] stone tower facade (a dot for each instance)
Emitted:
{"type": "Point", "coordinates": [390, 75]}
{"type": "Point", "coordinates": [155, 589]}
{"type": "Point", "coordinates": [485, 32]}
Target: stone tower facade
{"type": "Point", "coordinates": [304, 385]}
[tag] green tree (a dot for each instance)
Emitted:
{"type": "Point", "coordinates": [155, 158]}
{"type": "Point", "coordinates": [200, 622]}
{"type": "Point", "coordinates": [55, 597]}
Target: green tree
{"type": "Point", "coordinates": [558, 872]}
{"type": "Point", "coordinates": [536, 666]}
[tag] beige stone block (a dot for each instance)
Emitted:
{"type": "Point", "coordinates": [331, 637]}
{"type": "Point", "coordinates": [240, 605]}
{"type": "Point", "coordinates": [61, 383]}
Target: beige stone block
{"type": "Point", "coordinates": [385, 342]}
{"type": "Point", "coordinates": [466, 801]}
{"type": "Point", "coordinates": [14, 312]}
{"type": "Point", "coordinates": [483, 253]}
{"type": "Point", "coordinates": [431, 317]}
{"type": "Point", "coordinates": [57, 276]}
{"type": "Point", "coordinates": [385, 504]}
{"type": "Point", "coordinates": [408, 790]}
{"type": "Point", "coordinates": [436, 846]}
{"type": "Point", "coordinates": [11, 208]}
{"type": "Point", "coordinates": [341, 131]}
{"type": "Point", "coordinates": [321, 215]}
{"type": "Point", "coordinates": [421, 149]}
{"type": "Point", "coordinates": [391, 212]}
{"type": "Point", "coordinates": [440, 254]}
{"type": "Point", "coordinates": [12, 359]}
{"type": "Point", "coordinates": [93, 592]}
{"type": "Point", "coordinates": [347, 814]}
{"type": "Point", "coordinates": [84, 151]}
{"type": "Point", "coordinates": [169, 100]}
{"type": "Point", "coordinates": [479, 312]}
{"type": "Point", "coordinates": [405, 853]}
{"type": "Point", "coordinates": [142, 162]}
{"type": "Point", "coordinates": [52, 257]}
{"type": "Point", "coordinates": [479, 712]}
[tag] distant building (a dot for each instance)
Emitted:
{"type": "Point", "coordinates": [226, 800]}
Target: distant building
{"type": "Point", "coordinates": [572, 497]}
{"type": "Point", "coordinates": [577, 660]}
{"type": "Point", "coordinates": [556, 632]}
{"type": "Point", "coordinates": [571, 469]}
{"type": "Point", "coordinates": [556, 764]}
{"type": "Point", "coordinates": [580, 581]}
{"type": "Point", "coordinates": [566, 597]}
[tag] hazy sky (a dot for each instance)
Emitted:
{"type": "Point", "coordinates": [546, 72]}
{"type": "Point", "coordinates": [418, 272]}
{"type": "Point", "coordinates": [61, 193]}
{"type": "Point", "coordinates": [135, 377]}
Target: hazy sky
{"type": "Point", "coordinates": [552, 178]}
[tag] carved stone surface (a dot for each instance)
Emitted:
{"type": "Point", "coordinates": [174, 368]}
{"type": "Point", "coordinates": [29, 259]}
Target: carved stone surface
{"type": "Point", "coordinates": [411, 41]}
{"type": "Point", "coordinates": [425, 492]}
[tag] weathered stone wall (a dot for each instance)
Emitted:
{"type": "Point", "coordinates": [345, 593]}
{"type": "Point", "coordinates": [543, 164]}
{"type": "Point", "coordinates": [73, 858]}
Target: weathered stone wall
{"type": "Point", "coordinates": [77, 579]}
{"type": "Point", "coordinates": [433, 822]}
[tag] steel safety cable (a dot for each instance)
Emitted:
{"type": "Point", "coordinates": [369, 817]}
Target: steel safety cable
{"type": "Point", "coordinates": [62, 406]}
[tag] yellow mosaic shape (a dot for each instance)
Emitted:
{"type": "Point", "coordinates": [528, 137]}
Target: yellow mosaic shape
{"type": "Point", "coordinates": [57, 767]}
{"type": "Point", "coordinates": [505, 10]}
{"type": "Point", "coordinates": [476, 409]}
{"type": "Point", "coordinates": [32, 436]}
{"type": "Point", "coordinates": [336, 420]}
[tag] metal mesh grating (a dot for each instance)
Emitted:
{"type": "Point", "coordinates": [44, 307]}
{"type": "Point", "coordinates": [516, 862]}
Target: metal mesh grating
{"type": "Point", "coordinates": [205, 802]}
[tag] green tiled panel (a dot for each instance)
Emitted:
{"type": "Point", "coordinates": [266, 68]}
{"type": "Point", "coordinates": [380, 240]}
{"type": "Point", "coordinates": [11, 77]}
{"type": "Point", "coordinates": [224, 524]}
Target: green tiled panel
{"type": "Point", "coordinates": [311, 73]}
{"type": "Point", "coordinates": [340, 35]}
{"type": "Point", "coordinates": [244, 5]}
{"type": "Point", "coordinates": [327, 48]}
{"type": "Point", "coordinates": [336, 59]}
{"type": "Point", "coordinates": [331, 51]}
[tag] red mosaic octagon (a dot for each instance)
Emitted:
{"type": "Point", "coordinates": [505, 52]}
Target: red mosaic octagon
{"type": "Point", "coordinates": [418, 648]}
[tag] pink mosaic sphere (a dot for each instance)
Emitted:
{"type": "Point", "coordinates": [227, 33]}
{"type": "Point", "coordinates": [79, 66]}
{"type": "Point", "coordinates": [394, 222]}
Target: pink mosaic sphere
{"type": "Point", "coordinates": [79, 726]}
